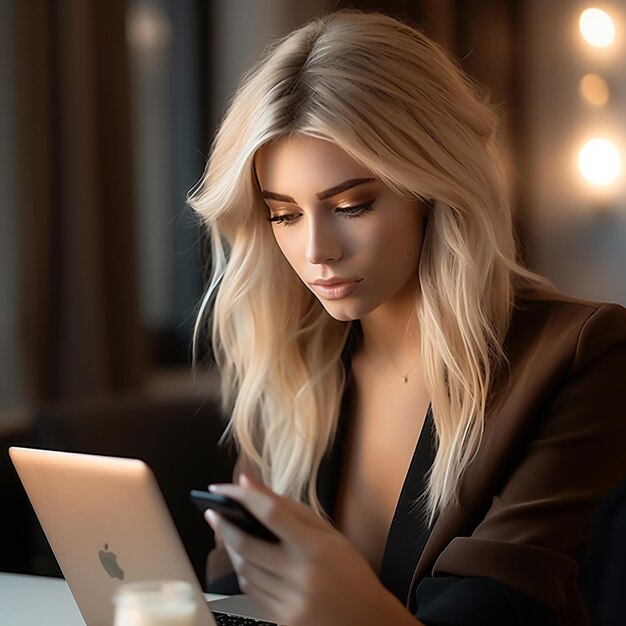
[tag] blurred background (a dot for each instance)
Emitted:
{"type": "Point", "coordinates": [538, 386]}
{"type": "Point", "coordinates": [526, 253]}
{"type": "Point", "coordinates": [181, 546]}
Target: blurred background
{"type": "Point", "coordinates": [107, 111]}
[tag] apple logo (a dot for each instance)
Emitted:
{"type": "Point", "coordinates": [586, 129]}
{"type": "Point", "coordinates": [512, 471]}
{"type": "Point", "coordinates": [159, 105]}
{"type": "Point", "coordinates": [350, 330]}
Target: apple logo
{"type": "Point", "coordinates": [109, 562]}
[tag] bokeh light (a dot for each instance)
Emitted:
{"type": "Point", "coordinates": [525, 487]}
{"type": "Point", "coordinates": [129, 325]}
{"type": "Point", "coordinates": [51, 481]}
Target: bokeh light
{"type": "Point", "coordinates": [599, 162]}
{"type": "Point", "coordinates": [597, 27]}
{"type": "Point", "coordinates": [148, 28]}
{"type": "Point", "coordinates": [593, 89]}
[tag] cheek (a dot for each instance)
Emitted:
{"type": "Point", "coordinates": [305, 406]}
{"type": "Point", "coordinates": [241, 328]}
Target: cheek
{"type": "Point", "coordinates": [291, 249]}
{"type": "Point", "coordinates": [360, 237]}
{"type": "Point", "coordinates": [395, 247]}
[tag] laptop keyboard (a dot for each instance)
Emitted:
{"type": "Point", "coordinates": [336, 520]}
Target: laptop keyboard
{"type": "Point", "coordinates": [226, 619]}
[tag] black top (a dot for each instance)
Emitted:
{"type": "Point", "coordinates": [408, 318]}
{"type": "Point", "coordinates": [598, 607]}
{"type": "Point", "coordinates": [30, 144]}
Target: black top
{"type": "Point", "coordinates": [408, 532]}
{"type": "Point", "coordinates": [442, 600]}
{"type": "Point", "coordinates": [400, 556]}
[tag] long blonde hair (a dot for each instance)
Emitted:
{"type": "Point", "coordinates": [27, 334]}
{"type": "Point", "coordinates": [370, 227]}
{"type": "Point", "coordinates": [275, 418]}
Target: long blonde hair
{"type": "Point", "coordinates": [394, 101]}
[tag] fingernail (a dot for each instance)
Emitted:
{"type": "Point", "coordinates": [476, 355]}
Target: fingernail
{"type": "Point", "coordinates": [213, 488]}
{"type": "Point", "coordinates": [244, 481]}
{"type": "Point", "coordinates": [209, 516]}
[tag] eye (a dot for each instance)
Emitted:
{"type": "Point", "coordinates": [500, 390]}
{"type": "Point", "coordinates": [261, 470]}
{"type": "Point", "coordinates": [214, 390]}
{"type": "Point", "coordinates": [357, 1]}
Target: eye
{"type": "Point", "coordinates": [286, 219]}
{"type": "Point", "coordinates": [358, 210]}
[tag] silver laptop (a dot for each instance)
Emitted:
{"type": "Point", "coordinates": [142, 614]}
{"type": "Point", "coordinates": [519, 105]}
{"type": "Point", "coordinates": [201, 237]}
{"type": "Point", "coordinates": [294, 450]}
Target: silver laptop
{"type": "Point", "coordinates": [107, 523]}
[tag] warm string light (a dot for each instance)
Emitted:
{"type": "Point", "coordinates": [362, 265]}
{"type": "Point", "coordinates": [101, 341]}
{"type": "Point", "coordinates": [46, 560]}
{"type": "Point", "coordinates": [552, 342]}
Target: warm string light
{"type": "Point", "coordinates": [599, 159]}
{"type": "Point", "coordinates": [599, 162]}
{"type": "Point", "coordinates": [597, 27]}
{"type": "Point", "coordinates": [593, 89]}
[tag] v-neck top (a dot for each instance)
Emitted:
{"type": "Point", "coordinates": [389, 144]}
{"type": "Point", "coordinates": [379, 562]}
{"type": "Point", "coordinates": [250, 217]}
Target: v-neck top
{"type": "Point", "coordinates": [443, 600]}
{"type": "Point", "coordinates": [409, 520]}
{"type": "Point", "coordinates": [408, 531]}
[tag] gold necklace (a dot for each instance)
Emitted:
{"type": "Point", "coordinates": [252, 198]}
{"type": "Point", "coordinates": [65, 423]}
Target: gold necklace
{"type": "Point", "coordinates": [404, 377]}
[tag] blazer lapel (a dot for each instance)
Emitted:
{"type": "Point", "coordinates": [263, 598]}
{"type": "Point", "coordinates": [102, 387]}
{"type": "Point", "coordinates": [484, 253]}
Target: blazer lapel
{"type": "Point", "coordinates": [517, 393]}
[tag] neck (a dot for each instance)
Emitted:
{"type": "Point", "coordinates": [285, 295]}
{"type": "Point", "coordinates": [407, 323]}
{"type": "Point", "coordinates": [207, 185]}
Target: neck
{"type": "Point", "coordinates": [391, 331]}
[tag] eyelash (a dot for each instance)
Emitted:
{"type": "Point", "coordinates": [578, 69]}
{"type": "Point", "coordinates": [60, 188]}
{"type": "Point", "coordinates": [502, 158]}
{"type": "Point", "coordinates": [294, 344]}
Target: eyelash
{"type": "Point", "coordinates": [350, 212]}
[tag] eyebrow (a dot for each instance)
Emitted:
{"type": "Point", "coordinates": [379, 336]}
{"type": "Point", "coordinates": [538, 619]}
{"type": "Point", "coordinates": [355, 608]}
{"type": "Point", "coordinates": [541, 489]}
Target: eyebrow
{"type": "Point", "coordinates": [322, 195]}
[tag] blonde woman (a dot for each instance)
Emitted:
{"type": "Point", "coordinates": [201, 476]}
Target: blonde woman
{"type": "Point", "coordinates": [425, 426]}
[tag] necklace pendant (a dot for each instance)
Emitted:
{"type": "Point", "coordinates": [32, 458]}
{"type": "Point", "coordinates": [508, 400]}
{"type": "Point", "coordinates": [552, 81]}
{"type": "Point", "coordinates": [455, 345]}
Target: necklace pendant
{"type": "Point", "coordinates": [405, 379]}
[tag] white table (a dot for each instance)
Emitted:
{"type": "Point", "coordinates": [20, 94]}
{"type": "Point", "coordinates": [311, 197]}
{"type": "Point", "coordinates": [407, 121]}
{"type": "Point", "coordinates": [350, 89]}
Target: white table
{"type": "Point", "coordinates": [39, 600]}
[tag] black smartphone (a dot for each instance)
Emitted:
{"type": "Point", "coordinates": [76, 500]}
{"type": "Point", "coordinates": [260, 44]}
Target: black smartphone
{"type": "Point", "coordinates": [234, 512]}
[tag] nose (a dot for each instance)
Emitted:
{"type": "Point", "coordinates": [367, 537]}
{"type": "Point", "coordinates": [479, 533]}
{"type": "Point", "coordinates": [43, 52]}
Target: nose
{"type": "Point", "coordinates": [324, 242]}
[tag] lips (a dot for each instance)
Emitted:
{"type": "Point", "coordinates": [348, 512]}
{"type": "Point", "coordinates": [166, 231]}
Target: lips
{"type": "Point", "coordinates": [335, 280]}
{"type": "Point", "coordinates": [336, 288]}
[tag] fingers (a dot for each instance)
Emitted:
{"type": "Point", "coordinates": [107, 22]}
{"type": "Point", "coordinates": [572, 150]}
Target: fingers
{"type": "Point", "coordinates": [287, 519]}
{"type": "Point", "coordinates": [251, 575]}
{"type": "Point", "coordinates": [211, 518]}
{"type": "Point", "coordinates": [268, 590]}
{"type": "Point", "coordinates": [267, 555]}
{"type": "Point", "coordinates": [303, 512]}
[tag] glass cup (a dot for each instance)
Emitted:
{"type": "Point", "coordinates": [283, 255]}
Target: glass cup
{"type": "Point", "coordinates": [156, 603]}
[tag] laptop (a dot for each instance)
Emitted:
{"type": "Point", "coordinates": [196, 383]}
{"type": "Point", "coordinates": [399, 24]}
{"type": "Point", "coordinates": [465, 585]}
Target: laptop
{"type": "Point", "coordinates": [107, 524]}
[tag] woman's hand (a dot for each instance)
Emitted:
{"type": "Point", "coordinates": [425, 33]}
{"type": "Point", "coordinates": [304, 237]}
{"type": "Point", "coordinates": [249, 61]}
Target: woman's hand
{"type": "Point", "coordinates": [313, 576]}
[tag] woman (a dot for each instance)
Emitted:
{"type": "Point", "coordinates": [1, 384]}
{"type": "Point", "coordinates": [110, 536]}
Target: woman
{"type": "Point", "coordinates": [424, 425]}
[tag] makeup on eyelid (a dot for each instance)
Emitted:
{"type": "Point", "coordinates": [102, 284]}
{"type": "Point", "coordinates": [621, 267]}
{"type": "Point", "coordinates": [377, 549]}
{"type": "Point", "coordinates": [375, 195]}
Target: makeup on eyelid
{"type": "Point", "coordinates": [354, 211]}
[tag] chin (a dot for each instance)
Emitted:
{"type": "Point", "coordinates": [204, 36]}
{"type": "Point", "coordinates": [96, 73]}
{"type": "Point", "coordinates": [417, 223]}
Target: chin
{"type": "Point", "coordinates": [344, 311]}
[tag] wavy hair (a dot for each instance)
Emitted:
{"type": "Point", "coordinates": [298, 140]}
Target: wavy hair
{"type": "Point", "coordinates": [396, 103]}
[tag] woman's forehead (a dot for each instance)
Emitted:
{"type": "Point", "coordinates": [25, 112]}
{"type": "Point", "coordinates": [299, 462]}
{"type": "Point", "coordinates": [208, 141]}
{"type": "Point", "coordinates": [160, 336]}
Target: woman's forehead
{"type": "Point", "coordinates": [301, 160]}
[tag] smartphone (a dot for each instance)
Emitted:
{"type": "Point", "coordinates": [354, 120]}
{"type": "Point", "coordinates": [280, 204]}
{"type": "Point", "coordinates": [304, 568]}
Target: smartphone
{"type": "Point", "coordinates": [234, 512]}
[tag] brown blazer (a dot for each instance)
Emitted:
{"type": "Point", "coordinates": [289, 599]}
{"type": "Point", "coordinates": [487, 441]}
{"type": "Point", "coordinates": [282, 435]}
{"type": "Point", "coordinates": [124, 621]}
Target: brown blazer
{"type": "Point", "coordinates": [554, 445]}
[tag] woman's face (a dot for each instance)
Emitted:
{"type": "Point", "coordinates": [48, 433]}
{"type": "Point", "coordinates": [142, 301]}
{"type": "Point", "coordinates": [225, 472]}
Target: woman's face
{"type": "Point", "coordinates": [335, 222]}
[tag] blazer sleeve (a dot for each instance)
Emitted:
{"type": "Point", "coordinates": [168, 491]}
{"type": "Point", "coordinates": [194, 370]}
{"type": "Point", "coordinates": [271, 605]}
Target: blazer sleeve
{"type": "Point", "coordinates": [470, 601]}
{"type": "Point", "coordinates": [533, 538]}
